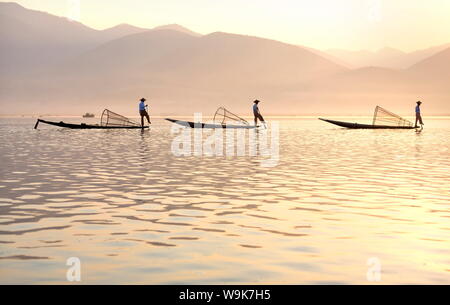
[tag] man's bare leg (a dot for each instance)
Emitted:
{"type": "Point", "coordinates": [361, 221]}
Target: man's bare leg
{"type": "Point", "coordinates": [261, 119]}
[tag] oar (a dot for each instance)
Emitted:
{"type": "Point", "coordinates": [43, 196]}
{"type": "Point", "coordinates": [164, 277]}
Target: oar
{"type": "Point", "coordinates": [37, 123]}
{"type": "Point", "coordinates": [146, 109]}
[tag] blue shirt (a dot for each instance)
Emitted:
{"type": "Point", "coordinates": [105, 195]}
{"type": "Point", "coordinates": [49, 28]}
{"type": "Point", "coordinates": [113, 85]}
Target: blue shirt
{"type": "Point", "coordinates": [418, 109]}
{"type": "Point", "coordinates": [255, 109]}
{"type": "Point", "coordinates": [141, 106]}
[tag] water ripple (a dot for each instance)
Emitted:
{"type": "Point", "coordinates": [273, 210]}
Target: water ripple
{"type": "Point", "coordinates": [122, 202]}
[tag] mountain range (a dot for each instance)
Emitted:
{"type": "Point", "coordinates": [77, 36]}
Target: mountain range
{"type": "Point", "coordinates": [52, 65]}
{"type": "Point", "coordinates": [386, 57]}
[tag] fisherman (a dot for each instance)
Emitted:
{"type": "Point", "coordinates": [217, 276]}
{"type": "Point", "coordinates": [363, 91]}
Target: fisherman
{"type": "Point", "coordinates": [143, 111]}
{"type": "Point", "coordinates": [256, 113]}
{"type": "Point", "coordinates": [418, 115]}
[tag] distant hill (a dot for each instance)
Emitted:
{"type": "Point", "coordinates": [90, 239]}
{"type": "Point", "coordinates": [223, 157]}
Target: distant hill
{"type": "Point", "coordinates": [173, 66]}
{"type": "Point", "coordinates": [31, 38]}
{"type": "Point", "coordinates": [52, 65]}
{"type": "Point", "coordinates": [178, 28]}
{"type": "Point", "coordinates": [386, 58]}
{"type": "Point", "coordinates": [328, 56]}
{"type": "Point", "coordinates": [363, 58]}
{"type": "Point", "coordinates": [436, 66]}
{"type": "Point", "coordinates": [121, 30]}
{"type": "Point", "coordinates": [357, 91]}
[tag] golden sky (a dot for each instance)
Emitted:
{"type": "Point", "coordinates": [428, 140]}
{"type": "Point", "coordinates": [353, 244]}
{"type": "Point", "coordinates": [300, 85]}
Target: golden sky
{"type": "Point", "coordinates": [348, 24]}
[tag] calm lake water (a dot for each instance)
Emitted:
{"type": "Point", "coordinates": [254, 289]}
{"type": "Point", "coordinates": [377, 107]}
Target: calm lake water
{"type": "Point", "coordinates": [132, 212]}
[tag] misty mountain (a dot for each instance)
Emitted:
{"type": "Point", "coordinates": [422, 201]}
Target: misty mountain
{"type": "Point", "coordinates": [124, 29]}
{"type": "Point", "coordinates": [436, 66]}
{"type": "Point", "coordinates": [32, 38]}
{"type": "Point", "coordinates": [173, 66]}
{"type": "Point", "coordinates": [119, 31]}
{"type": "Point", "coordinates": [328, 56]}
{"type": "Point", "coordinates": [363, 58]}
{"type": "Point", "coordinates": [420, 55]}
{"type": "Point", "coordinates": [386, 58]}
{"type": "Point", "coordinates": [178, 28]}
{"type": "Point", "coordinates": [356, 89]}
{"type": "Point", "coordinates": [50, 64]}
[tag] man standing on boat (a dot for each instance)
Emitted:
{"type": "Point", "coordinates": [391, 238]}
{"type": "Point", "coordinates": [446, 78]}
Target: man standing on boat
{"type": "Point", "coordinates": [257, 114]}
{"type": "Point", "coordinates": [418, 115]}
{"type": "Point", "coordinates": [143, 112]}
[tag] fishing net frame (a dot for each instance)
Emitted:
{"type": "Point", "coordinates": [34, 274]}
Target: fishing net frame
{"type": "Point", "coordinates": [112, 119]}
{"type": "Point", "coordinates": [222, 114]}
{"type": "Point", "coordinates": [384, 117]}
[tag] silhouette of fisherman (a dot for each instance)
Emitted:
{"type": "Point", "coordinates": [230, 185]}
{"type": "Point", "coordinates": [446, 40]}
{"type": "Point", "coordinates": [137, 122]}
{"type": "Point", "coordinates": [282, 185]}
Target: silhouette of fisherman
{"type": "Point", "coordinates": [143, 111]}
{"type": "Point", "coordinates": [418, 115]}
{"type": "Point", "coordinates": [256, 113]}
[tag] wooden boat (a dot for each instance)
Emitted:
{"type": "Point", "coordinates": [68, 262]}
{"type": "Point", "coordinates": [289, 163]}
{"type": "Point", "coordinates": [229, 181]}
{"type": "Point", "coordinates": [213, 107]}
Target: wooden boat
{"type": "Point", "coordinates": [382, 119]}
{"type": "Point", "coordinates": [109, 120]}
{"type": "Point", "coordinates": [365, 126]}
{"type": "Point", "coordinates": [85, 126]}
{"type": "Point", "coordinates": [207, 125]}
{"type": "Point", "coordinates": [221, 119]}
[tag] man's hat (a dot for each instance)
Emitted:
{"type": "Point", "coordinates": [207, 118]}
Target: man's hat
{"type": "Point", "coordinates": [419, 102]}
{"type": "Point", "coordinates": [256, 101]}
{"type": "Point", "coordinates": [143, 99]}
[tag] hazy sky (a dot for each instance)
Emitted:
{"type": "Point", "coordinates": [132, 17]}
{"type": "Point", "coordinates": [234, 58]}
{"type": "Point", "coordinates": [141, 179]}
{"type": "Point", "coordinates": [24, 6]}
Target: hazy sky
{"type": "Point", "coordinates": [351, 24]}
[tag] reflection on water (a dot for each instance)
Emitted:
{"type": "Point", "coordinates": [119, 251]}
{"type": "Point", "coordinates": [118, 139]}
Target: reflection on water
{"type": "Point", "coordinates": [134, 213]}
